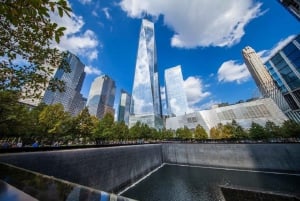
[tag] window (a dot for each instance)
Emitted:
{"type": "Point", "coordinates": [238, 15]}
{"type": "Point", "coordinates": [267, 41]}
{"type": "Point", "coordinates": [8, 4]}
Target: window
{"type": "Point", "coordinates": [291, 102]}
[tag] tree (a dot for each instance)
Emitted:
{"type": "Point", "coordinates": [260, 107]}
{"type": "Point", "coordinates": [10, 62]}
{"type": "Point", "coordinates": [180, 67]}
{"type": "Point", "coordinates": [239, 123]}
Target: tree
{"type": "Point", "coordinates": [13, 115]}
{"type": "Point", "coordinates": [167, 134]}
{"type": "Point", "coordinates": [238, 132]}
{"type": "Point", "coordinates": [227, 131]}
{"type": "Point", "coordinates": [200, 133]}
{"type": "Point", "coordinates": [84, 124]}
{"type": "Point", "coordinates": [55, 121]}
{"type": "Point", "coordinates": [120, 131]}
{"type": "Point", "coordinates": [103, 129]}
{"type": "Point", "coordinates": [257, 131]}
{"type": "Point", "coordinates": [216, 132]}
{"type": "Point", "coordinates": [290, 128]}
{"type": "Point", "coordinates": [271, 129]}
{"type": "Point", "coordinates": [145, 131]}
{"type": "Point", "coordinates": [36, 129]}
{"type": "Point", "coordinates": [184, 133]}
{"type": "Point", "coordinates": [135, 131]}
{"type": "Point", "coordinates": [26, 37]}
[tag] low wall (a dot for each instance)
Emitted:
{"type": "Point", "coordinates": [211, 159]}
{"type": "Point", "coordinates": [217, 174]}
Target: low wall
{"type": "Point", "coordinates": [271, 157]}
{"type": "Point", "coordinates": [27, 185]}
{"type": "Point", "coordinates": [114, 168]}
{"type": "Point", "coordinates": [107, 169]}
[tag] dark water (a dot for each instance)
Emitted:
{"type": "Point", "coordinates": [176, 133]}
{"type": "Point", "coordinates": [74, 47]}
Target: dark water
{"type": "Point", "coordinates": [178, 183]}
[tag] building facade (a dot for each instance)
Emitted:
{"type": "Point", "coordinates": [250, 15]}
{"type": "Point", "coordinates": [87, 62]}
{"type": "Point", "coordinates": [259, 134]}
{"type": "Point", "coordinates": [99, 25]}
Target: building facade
{"type": "Point", "coordinates": [265, 82]}
{"type": "Point", "coordinates": [284, 68]}
{"type": "Point", "coordinates": [101, 96]}
{"type": "Point", "coordinates": [145, 103]}
{"type": "Point", "coordinates": [70, 98]}
{"type": "Point", "coordinates": [293, 6]}
{"type": "Point", "coordinates": [176, 99]}
{"type": "Point", "coordinates": [124, 107]}
{"type": "Point", "coordinates": [259, 111]}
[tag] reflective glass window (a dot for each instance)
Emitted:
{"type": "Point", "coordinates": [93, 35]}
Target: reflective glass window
{"type": "Point", "coordinates": [289, 49]}
{"type": "Point", "coordinates": [277, 58]}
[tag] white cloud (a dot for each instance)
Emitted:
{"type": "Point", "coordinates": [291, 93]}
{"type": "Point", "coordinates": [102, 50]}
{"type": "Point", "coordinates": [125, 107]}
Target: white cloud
{"type": "Point", "coordinates": [107, 14]}
{"type": "Point", "coordinates": [199, 23]}
{"type": "Point", "coordinates": [94, 13]}
{"type": "Point", "coordinates": [231, 71]}
{"type": "Point", "coordinates": [80, 42]}
{"type": "Point", "coordinates": [266, 54]}
{"type": "Point", "coordinates": [206, 105]}
{"type": "Point", "coordinates": [92, 71]}
{"type": "Point", "coordinates": [194, 90]}
{"type": "Point", "coordinates": [85, 1]}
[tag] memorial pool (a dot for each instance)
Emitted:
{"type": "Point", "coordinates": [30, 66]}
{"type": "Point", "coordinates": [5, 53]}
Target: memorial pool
{"type": "Point", "coordinates": [182, 183]}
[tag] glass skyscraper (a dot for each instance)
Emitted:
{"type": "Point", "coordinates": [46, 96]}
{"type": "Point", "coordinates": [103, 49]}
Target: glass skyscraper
{"type": "Point", "coordinates": [284, 68]}
{"type": "Point", "coordinates": [124, 107]}
{"type": "Point", "coordinates": [175, 94]}
{"type": "Point", "coordinates": [101, 96]}
{"type": "Point", "coordinates": [146, 102]}
{"type": "Point", "coordinates": [71, 98]}
{"type": "Point", "coordinates": [293, 6]}
{"type": "Point", "coordinates": [279, 78]}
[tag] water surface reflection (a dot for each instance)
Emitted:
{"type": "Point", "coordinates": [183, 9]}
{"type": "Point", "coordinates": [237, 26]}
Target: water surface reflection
{"type": "Point", "coordinates": [181, 183]}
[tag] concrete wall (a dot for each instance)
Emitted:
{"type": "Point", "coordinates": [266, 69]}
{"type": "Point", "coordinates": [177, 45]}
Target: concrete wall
{"type": "Point", "coordinates": [110, 169]}
{"type": "Point", "coordinates": [273, 157]}
{"type": "Point", "coordinates": [107, 169]}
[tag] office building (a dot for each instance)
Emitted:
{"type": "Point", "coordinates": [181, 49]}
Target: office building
{"type": "Point", "coordinates": [124, 107]}
{"type": "Point", "coordinates": [70, 98]}
{"type": "Point", "coordinates": [265, 82]}
{"type": "Point", "coordinates": [293, 6]}
{"type": "Point", "coordinates": [145, 104]}
{"type": "Point", "coordinates": [284, 68]}
{"type": "Point", "coordinates": [259, 111]}
{"type": "Point", "coordinates": [29, 94]}
{"type": "Point", "coordinates": [101, 96]}
{"type": "Point", "coordinates": [175, 94]}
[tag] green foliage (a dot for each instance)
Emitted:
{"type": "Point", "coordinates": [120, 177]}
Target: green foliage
{"type": "Point", "coordinates": [184, 133]}
{"type": "Point", "coordinates": [272, 130]}
{"type": "Point", "coordinates": [290, 129]}
{"type": "Point", "coordinates": [84, 124]}
{"type": "Point", "coordinates": [51, 122]}
{"type": "Point", "coordinates": [200, 133]}
{"type": "Point", "coordinates": [104, 128]}
{"type": "Point", "coordinates": [134, 131]}
{"type": "Point", "coordinates": [237, 131]}
{"type": "Point", "coordinates": [13, 115]}
{"type": "Point", "coordinates": [228, 131]}
{"type": "Point", "coordinates": [26, 37]}
{"type": "Point", "coordinates": [54, 121]}
{"type": "Point", "coordinates": [167, 134]}
{"type": "Point", "coordinates": [257, 132]}
{"type": "Point", "coordinates": [120, 131]}
{"type": "Point", "coordinates": [216, 132]}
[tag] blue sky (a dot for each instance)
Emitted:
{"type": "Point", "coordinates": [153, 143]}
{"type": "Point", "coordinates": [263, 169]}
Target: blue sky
{"type": "Point", "coordinates": [205, 37]}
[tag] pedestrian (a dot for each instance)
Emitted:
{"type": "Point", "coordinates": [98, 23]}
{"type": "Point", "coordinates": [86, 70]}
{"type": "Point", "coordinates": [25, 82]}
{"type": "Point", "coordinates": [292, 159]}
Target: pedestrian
{"type": "Point", "coordinates": [35, 144]}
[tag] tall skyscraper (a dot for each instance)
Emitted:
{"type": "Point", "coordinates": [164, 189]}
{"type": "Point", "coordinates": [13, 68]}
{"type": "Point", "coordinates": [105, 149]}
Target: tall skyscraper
{"type": "Point", "coordinates": [293, 6]}
{"type": "Point", "coordinates": [259, 73]}
{"type": "Point", "coordinates": [124, 107]}
{"type": "Point", "coordinates": [101, 96]}
{"type": "Point", "coordinates": [71, 98]}
{"type": "Point", "coordinates": [146, 102]}
{"type": "Point", "coordinates": [265, 82]}
{"type": "Point", "coordinates": [175, 94]}
{"type": "Point", "coordinates": [284, 68]}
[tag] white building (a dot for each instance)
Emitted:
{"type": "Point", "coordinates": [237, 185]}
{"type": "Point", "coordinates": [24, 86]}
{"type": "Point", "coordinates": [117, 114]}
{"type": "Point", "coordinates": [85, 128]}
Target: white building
{"type": "Point", "coordinates": [259, 111]}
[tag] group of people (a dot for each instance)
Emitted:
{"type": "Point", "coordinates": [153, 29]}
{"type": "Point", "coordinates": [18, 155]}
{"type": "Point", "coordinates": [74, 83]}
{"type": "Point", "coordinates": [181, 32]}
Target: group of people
{"type": "Point", "coordinates": [5, 144]}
